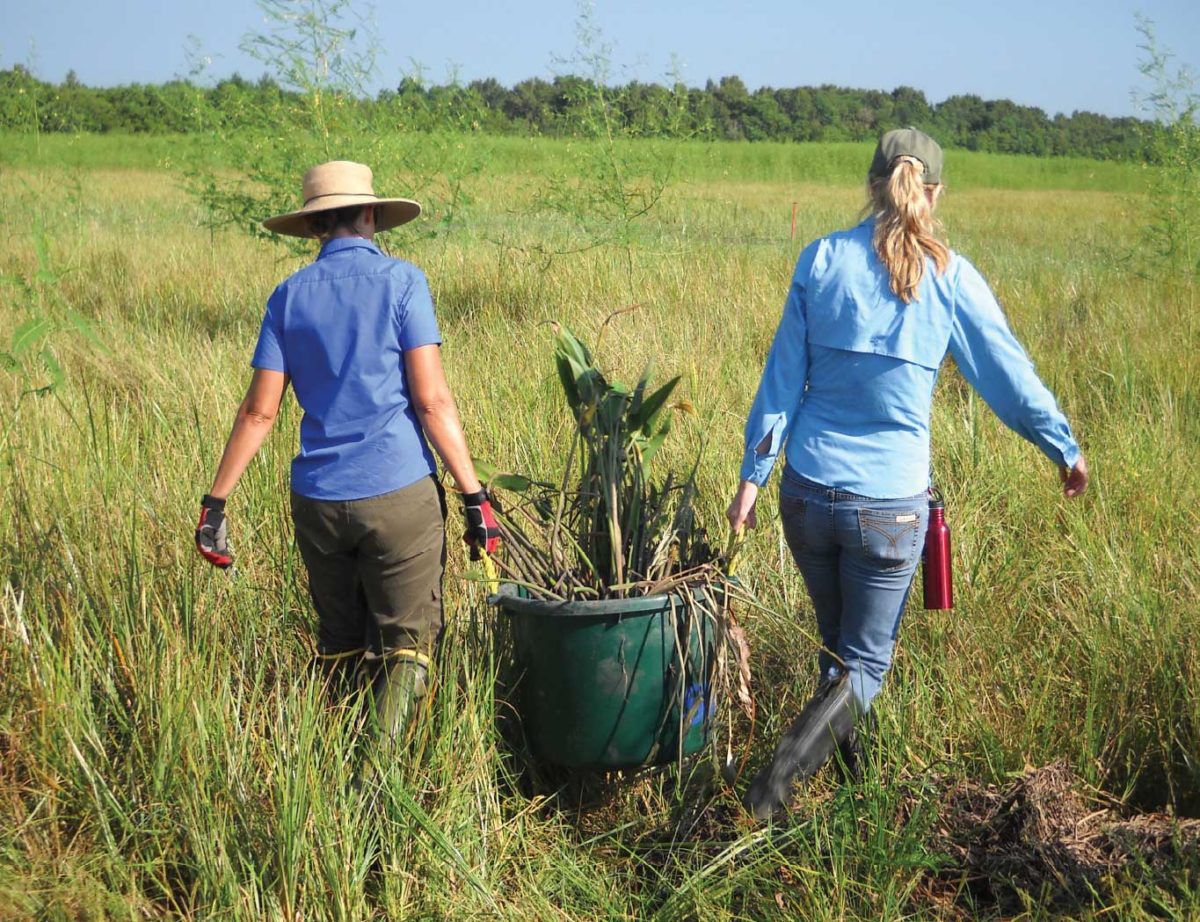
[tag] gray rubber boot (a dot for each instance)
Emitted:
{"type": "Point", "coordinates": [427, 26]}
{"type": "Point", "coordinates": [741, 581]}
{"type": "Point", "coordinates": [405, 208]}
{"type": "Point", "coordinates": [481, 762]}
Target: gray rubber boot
{"type": "Point", "coordinates": [826, 721]}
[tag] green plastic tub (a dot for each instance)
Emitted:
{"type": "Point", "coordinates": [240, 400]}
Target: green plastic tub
{"type": "Point", "coordinates": [612, 684]}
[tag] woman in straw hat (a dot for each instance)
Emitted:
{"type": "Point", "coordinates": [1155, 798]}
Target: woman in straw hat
{"type": "Point", "coordinates": [871, 313]}
{"type": "Point", "coordinates": [354, 333]}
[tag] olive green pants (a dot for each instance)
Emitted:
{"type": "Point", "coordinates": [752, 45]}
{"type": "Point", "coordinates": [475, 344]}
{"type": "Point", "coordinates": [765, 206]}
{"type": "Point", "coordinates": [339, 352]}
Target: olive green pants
{"type": "Point", "coordinates": [375, 570]}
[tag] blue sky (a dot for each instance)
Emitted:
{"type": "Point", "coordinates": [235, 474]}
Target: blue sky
{"type": "Point", "coordinates": [1060, 55]}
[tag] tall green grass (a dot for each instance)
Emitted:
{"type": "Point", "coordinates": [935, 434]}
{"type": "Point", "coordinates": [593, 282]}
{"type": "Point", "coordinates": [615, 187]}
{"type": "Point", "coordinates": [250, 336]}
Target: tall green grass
{"type": "Point", "coordinates": [836, 163]}
{"type": "Point", "coordinates": [163, 751]}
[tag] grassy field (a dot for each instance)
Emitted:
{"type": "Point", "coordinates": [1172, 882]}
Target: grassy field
{"type": "Point", "coordinates": [162, 752]}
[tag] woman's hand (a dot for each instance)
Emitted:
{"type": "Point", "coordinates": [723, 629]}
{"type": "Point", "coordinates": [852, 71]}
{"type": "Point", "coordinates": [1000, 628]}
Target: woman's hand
{"type": "Point", "coordinates": [1075, 480]}
{"type": "Point", "coordinates": [212, 532]}
{"type": "Point", "coordinates": [483, 531]}
{"type": "Point", "coordinates": [741, 510]}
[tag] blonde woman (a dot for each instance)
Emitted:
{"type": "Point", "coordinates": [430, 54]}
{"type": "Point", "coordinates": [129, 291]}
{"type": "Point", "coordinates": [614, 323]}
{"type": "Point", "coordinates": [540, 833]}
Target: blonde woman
{"type": "Point", "coordinates": [846, 391]}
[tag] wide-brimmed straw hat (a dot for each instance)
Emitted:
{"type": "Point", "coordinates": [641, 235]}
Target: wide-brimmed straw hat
{"type": "Point", "coordinates": [338, 184]}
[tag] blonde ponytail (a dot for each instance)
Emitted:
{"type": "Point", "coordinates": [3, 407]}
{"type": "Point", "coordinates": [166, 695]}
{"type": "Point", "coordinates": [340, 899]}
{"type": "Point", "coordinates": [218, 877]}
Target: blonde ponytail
{"type": "Point", "coordinates": [905, 230]}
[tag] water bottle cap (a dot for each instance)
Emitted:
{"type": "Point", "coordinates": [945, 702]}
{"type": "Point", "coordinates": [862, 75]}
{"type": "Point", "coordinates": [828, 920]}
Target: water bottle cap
{"type": "Point", "coordinates": [936, 500]}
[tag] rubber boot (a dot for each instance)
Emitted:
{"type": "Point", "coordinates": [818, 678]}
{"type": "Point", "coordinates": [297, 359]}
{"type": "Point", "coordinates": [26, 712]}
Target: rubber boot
{"type": "Point", "coordinates": [397, 688]}
{"type": "Point", "coordinates": [338, 675]}
{"type": "Point", "coordinates": [852, 751]}
{"type": "Point", "coordinates": [825, 722]}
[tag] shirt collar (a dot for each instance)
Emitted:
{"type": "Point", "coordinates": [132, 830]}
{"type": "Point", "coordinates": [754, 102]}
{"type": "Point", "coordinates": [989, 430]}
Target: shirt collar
{"type": "Point", "coordinates": [337, 244]}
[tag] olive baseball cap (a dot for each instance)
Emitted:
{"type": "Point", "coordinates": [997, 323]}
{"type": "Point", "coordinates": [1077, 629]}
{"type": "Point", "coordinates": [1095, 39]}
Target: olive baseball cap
{"type": "Point", "coordinates": [908, 142]}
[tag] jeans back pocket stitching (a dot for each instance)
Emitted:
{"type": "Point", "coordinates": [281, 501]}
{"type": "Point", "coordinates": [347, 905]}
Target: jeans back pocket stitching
{"type": "Point", "coordinates": [866, 524]}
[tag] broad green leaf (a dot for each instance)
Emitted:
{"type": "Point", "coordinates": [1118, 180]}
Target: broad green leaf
{"type": "Point", "coordinates": [567, 344]}
{"type": "Point", "coordinates": [655, 442]}
{"type": "Point", "coordinates": [581, 381]}
{"type": "Point", "coordinates": [485, 470]}
{"type": "Point", "coordinates": [567, 377]}
{"type": "Point", "coordinates": [514, 482]}
{"type": "Point", "coordinates": [648, 412]}
{"type": "Point", "coordinates": [639, 392]}
{"type": "Point", "coordinates": [29, 333]}
{"type": "Point", "coordinates": [590, 385]}
{"type": "Point", "coordinates": [612, 409]}
{"type": "Point", "coordinates": [574, 367]}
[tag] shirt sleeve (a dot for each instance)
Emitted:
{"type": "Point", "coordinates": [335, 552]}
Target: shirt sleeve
{"type": "Point", "coordinates": [781, 388]}
{"type": "Point", "coordinates": [418, 325]}
{"type": "Point", "coordinates": [993, 362]}
{"type": "Point", "coordinates": [269, 354]}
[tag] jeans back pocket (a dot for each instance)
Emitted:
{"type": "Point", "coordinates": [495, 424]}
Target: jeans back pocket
{"type": "Point", "coordinates": [889, 538]}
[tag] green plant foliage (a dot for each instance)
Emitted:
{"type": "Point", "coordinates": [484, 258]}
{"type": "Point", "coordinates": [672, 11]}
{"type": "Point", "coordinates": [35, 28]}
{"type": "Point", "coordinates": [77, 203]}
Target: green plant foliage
{"type": "Point", "coordinates": [1173, 156]}
{"type": "Point", "coordinates": [721, 110]}
{"type": "Point", "coordinates": [321, 55]}
{"type": "Point", "coordinates": [38, 296]}
{"type": "Point", "coordinates": [610, 529]}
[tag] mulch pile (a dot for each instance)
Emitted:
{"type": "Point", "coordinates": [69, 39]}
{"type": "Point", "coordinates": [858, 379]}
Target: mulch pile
{"type": "Point", "coordinates": [1049, 838]}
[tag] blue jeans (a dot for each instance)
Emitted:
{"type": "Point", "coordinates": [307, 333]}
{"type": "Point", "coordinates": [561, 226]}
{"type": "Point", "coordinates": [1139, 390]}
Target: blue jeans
{"type": "Point", "coordinates": [858, 556]}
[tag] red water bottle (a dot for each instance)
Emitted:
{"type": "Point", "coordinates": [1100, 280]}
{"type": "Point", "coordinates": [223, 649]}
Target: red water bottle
{"type": "Point", "coordinates": [936, 570]}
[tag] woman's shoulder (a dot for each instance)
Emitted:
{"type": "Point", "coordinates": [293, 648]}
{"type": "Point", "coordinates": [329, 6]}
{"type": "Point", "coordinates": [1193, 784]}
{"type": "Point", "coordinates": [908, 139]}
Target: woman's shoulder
{"type": "Point", "coordinates": [820, 254]}
{"type": "Point", "coordinates": [960, 270]}
{"type": "Point", "coordinates": [858, 235]}
{"type": "Point", "coordinates": [403, 269]}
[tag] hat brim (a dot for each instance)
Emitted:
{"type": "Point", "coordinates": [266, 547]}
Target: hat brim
{"type": "Point", "coordinates": [389, 213]}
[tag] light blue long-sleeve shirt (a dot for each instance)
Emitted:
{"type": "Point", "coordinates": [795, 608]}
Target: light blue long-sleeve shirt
{"type": "Point", "coordinates": [849, 380]}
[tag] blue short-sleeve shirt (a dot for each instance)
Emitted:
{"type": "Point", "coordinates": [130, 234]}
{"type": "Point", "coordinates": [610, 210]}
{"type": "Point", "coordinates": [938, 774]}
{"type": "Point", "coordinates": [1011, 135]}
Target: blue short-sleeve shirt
{"type": "Point", "coordinates": [339, 328]}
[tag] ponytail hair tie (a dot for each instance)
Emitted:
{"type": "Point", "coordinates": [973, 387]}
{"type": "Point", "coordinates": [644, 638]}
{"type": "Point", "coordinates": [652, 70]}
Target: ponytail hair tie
{"type": "Point", "coordinates": [907, 158]}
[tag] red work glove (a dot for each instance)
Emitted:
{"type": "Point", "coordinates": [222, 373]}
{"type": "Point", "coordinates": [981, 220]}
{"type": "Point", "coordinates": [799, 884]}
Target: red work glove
{"type": "Point", "coordinates": [483, 531]}
{"type": "Point", "coordinates": [212, 533]}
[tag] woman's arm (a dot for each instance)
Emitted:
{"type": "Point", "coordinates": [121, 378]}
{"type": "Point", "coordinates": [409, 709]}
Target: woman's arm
{"type": "Point", "coordinates": [254, 420]}
{"type": "Point", "coordinates": [779, 392]}
{"type": "Point", "coordinates": [435, 408]}
{"type": "Point", "coordinates": [993, 362]}
{"type": "Point", "coordinates": [774, 409]}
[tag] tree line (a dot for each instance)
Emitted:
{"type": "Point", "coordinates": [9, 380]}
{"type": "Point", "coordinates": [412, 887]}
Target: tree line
{"type": "Point", "coordinates": [566, 106]}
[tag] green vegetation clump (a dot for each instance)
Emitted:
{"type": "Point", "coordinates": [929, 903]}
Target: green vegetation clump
{"type": "Point", "coordinates": [163, 752]}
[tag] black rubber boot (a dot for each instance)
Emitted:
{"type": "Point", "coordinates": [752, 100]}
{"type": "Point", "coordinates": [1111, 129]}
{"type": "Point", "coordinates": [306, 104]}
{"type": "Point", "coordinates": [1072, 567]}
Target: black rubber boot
{"type": "Point", "coordinates": [826, 721]}
{"type": "Point", "coordinates": [852, 751]}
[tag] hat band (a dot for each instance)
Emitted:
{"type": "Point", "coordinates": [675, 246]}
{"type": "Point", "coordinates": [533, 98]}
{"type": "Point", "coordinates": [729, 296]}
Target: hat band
{"type": "Point", "coordinates": [309, 201]}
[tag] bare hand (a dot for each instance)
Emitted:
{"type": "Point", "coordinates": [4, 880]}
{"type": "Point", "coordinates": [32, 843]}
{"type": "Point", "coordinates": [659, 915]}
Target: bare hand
{"type": "Point", "coordinates": [1075, 480]}
{"type": "Point", "coordinates": [741, 510]}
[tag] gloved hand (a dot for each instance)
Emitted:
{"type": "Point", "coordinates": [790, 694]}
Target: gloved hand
{"type": "Point", "coordinates": [483, 531]}
{"type": "Point", "coordinates": [211, 533]}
